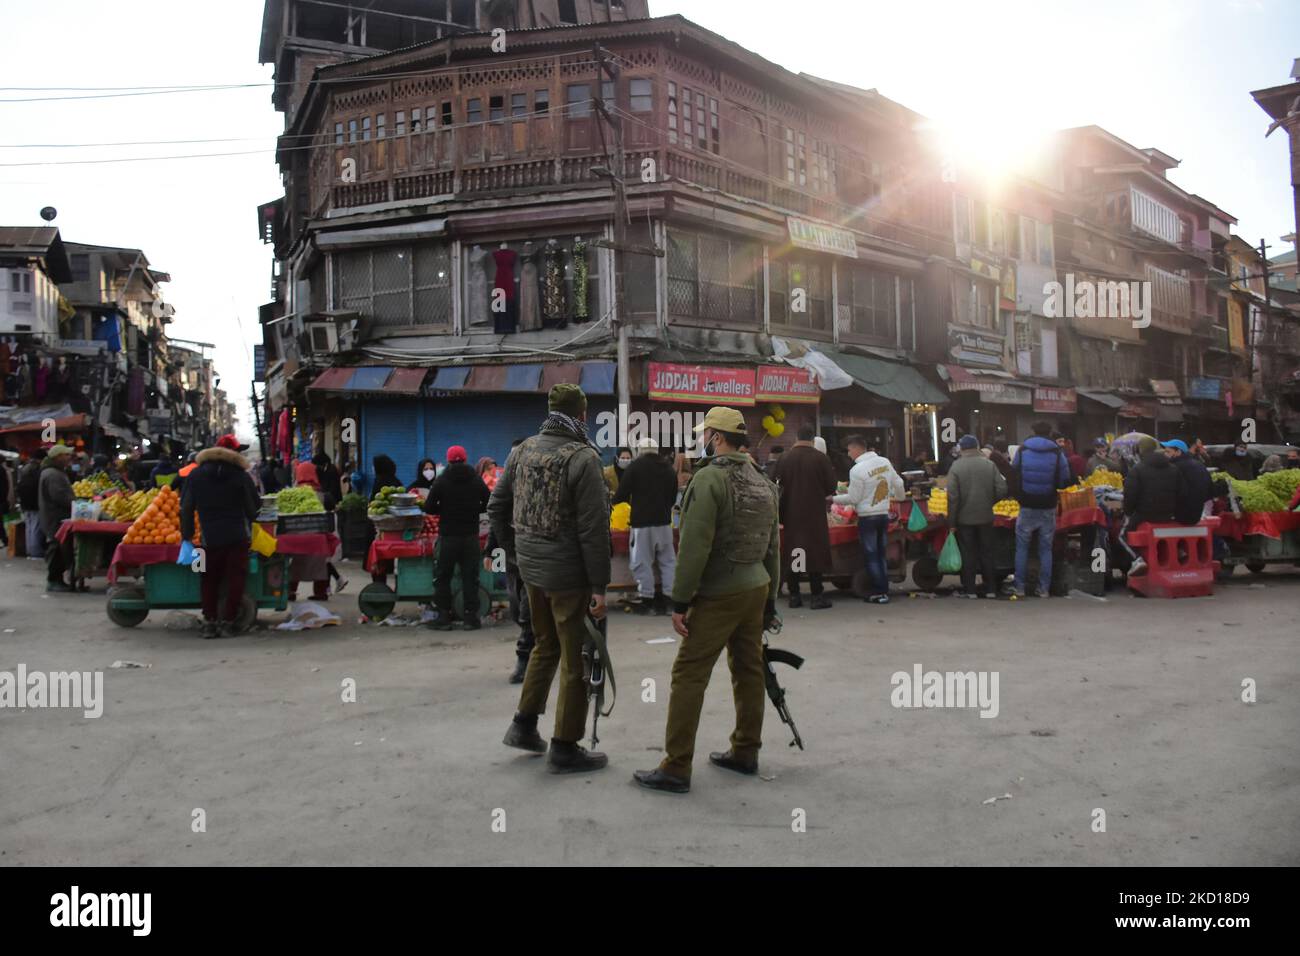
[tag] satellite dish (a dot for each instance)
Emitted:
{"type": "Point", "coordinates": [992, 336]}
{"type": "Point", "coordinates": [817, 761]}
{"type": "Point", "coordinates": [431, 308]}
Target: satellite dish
{"type": "Point", "coordinates": [48, 213]}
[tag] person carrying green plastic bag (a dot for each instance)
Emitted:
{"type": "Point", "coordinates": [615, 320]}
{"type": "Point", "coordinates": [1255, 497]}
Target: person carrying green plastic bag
{"type": "Point", "coordinates": [950, 556]}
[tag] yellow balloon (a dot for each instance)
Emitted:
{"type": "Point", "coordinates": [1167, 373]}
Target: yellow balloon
{"type": "Point", "coordinates": [778, 413]}
{"type": "Point", "coordinates": [776, 430]}
{"type": "Point", "coordinates": [768, 422]}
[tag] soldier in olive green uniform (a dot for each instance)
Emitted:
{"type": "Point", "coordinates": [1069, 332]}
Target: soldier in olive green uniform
{"type": "Point", "coordinates": [724, 591]}
{"type": "Point", "coordinates": [550, 512]}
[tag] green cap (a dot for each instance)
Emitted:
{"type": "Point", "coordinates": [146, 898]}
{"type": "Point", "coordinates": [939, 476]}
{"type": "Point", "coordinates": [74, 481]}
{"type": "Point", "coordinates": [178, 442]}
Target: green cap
{"type": "Point", "coordinates": [57, 450]}
{"type": "Point", "coordinates": [567, 398]}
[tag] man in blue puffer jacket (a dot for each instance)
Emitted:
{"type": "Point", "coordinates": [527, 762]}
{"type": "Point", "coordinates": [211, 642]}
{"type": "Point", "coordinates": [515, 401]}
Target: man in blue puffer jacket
{"type": "Point", "coordinates": [1040, 469]}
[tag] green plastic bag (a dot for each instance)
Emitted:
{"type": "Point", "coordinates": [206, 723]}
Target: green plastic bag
{"type": "Point", "coordinates": [950, 556]}
{"type": "Point", "coordinates": [916, 520]}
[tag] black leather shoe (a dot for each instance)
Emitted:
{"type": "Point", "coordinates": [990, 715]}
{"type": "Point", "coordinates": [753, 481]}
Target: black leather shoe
{"type": "Point", "coordinates": [524, 737]}
{"type": "Point", "coordinates": [521, 668]}
{"type": "Point", "coordinates": [819, 602]}
{"type": "Point", "coordinates": [656, 779]}
{"type": "Point", "coordinates": [729, 761]}
{"type": "Point", "coordinates": [794, 602]}
{"type": "Point", "coordinates": [567, 757]}
{"type": "Point", "coordinates": [471, 624]}
{"type": "Point", "coordinates": [661, 604]}
{"type": "Point", "coordinates": [211, 630]}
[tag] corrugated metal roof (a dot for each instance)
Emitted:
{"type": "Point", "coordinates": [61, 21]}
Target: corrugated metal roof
{"type": "Point", "coordinates": [891, 380]}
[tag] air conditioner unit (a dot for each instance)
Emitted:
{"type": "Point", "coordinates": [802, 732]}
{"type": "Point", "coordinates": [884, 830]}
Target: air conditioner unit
{"type": "Point", "coordinates": [324, 336]}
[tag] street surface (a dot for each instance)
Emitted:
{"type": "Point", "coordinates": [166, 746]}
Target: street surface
{"type": "Point", "coordinates": [1127, 705]}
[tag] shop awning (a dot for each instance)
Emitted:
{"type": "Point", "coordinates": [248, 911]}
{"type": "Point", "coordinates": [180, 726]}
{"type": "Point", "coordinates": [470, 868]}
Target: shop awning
{"type": "Point", "coordinates": [994, 385]}
{"type": "Point", "coordinates": [889, 380]}
{"type": "Point", "coordinates": [69, 423]}
{"type": "Point", "coordinates": [370, 378]}
{"type": "Point", "coordinates": [598, 378]}
{"type": "Point", "coordinates": [331, 380]}
{"type": "Point", "coordinates": [450, 379]}
{"type": "Point", "coordinates": [405, 232]}
{"type": "Point", "coordinates": [523, 378]}
{"type": "Point", "coordinates": [1103, 398]}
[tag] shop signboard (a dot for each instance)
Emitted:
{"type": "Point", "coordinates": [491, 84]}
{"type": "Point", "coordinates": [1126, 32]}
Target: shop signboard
{"type": "Point", "coordinates": [822, 238]}
{"type": "Point", "coordinates": [785, 383]}
{"type": "Point", "coordinates": [702, 384]}
{"type": "Point", "coordinates": [975, 348]}
{"type": "Point", "coordinates": [1056, 401]}
{"type": "Point", "coordinates": [259, 363]}
{"type": "Point", "coordinates": [82, 346]}
{"type": "Point", "coordinates": [1204, 388]}
{"type": "Point", "coordinates": [849, 420]}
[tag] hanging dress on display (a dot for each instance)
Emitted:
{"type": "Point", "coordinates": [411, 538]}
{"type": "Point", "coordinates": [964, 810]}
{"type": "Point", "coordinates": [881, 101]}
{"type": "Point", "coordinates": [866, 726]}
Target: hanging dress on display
{"type": "Point", "coordinates": [505, 322]}
{"type": "Point", "coordinates": [553, 285]}
{"type": "Point", "coordinates": [530, 306]}
{"type": "Point", "coordinates": [580, 312]}
{"type": "Point", "coordinates": [479, 302]}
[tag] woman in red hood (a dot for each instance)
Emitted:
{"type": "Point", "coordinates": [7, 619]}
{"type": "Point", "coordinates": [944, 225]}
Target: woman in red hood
{"type": "Point", "coordinates": [314, 568]}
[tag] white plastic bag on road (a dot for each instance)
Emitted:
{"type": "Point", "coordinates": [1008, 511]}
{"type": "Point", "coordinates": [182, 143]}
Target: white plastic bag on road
{"type": "Point", "coordinates": [308, 616]}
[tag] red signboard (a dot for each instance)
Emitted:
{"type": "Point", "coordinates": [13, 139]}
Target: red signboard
{"type": "Point", "coordinates": [1058, 401]}
{"type": "Point", "coordinates": [784, 383]}
{"type": "Point", "coordinates": [703, 384]}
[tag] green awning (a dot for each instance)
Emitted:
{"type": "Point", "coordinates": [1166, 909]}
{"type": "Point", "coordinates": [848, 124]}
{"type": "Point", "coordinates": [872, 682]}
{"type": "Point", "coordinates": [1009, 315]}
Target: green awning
{"type": "Point", "coordinates": [891, 380]}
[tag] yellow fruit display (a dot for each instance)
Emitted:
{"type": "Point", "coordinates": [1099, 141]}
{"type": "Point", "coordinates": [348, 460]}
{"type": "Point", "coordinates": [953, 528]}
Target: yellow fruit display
{"type": "Point", "coordinates": [123, 507]}
{"type": "Point", "coordinates": [620, 517]}
{"type": "Point", "coordinates": [938, 501]}
{"type": "Point", "coordinates": [160, 523]}
{"type": "Point", "coordinates": [1104, 478]}
{"type": "Point", "coordinates": [1007, 507]}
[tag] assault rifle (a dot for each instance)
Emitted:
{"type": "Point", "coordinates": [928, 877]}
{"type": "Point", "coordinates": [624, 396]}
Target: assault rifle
{"type": "Point", "coordinates": [772, 655]}
{"type": "Point", "coordinates": [598, 670]}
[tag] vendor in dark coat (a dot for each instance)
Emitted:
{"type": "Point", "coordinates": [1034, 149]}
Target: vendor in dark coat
{"type": "Point", "coordinates": [1151, 494]}
{"type": "Point", "coordinates": [806, 478]}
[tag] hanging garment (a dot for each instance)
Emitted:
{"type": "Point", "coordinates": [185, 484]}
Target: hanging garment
{"type": "Point", "coordinates": [25, 383]}
{"type": "Point", "coordinates": [4, 369]}
{"type": "Point", "coordinates": [553, 284]}
{"type": "Point", "coordinates": [505, 322]}
{"type": "Point", "coordinates": [530, 305]}
{"type": "Point", "coordinates": [580, 313]}
{"type": "Point", "coordinates": [478, 314]}
{"type": "Point", "coordinates": [40, 381]}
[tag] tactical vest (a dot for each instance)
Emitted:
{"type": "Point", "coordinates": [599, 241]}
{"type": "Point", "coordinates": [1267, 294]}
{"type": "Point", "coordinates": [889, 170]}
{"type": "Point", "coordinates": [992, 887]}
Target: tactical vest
{"type": "Point", "coordinates": [541, 506]}
{"type": "Point", "coordinates": [753, 509]}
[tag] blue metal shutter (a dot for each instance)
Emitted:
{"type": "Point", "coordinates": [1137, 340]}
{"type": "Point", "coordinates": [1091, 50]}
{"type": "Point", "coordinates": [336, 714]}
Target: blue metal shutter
{"type": "Point", "coordinates": [483, 425]}
{"type": "Point", "coordinates": [392, 429]}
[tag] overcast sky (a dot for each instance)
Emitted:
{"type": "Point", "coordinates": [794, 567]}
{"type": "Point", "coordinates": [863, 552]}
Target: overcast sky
{"type": "Point", "coordinates": [1175, 74]}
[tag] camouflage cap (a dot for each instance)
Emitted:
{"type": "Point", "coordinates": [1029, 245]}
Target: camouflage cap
{"type": "Point", "coordinates": [567, 398]}
{"type": "Point", "coordinates": [723, 419]}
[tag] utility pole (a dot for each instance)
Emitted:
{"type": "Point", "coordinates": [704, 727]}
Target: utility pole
{"type": "Point", "coordinates": [1268, 320]}
{"type": "Point", "coordinates": [616, 175]}
{"type": "Point", "coordinates": [257, 422]}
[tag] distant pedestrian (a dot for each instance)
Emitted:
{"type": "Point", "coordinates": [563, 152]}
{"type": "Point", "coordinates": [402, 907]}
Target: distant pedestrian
{"type": "Point", "coordinates": [1039, 471]}
{"type": "Point", "coordinates": [310, 567]}
{"type": "Point", "coordinates": [385, 475]}
{"type": "Point", "coordinates": [425, 472]}
{"type": "Point", "coordinates": [29, 482]}
{"type": "Point", "coordinates": [1239, 463]}
{"type": "Point", "coordinates": [773, 459]}
{"type": "Point", "coordinates": [650, 485]}
{"type": "Point", "coordinates": [54, 495]}
{"type": "Point", "coordinates": [331, 482]}
{"type": "Point", "coordinates": [806, 480]}
{"type": "Point", "coordinates": [614, 473]}
{"type": "Point", "coordinates": [1196, 488]}
{"type": "Point", "coordinates": [974, 486]}
{"type": "Point", "coordinates": [1001, 459]}
{"type": "Point", "coordinates": [872, 483]}
{"type": "Point", "coordinates": [1078, 464]}
{"type": "Point", "coordinates": [1151, 494]}
{"type": "Point", "coordinates": [458, 497]}
{"type": "Point", "coordinates": [221, 493]}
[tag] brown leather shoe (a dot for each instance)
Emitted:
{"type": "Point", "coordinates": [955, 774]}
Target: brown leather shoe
{"type": "Point", "coordinates": [729, 761]}
{"type": "Point", "coordinates": [656, 779]}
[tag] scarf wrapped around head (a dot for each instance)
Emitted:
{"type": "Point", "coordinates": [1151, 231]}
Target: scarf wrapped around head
{"type": "Point", "coordinates": [305, 474]}
{"type": "Point", "coordinates": [568, 425]}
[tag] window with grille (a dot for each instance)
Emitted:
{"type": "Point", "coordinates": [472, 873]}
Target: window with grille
{"type": "Point", "coordinates": [640, 96]}
{"type": "Point", "coordinates": [672, 114]}
{"type": "Point", "coordinates": [474, 110]}
{"type": "Point", "coordinates": [812, 276]}
{"type": "Point", "coordinates": [713, 126]}
{"type": "Point", "coordinates": [496, 107]}
{"type": "Point", "coordinates": [399, 122]}
{"type": "Point", "coordinates": [867, 302]}
{"type": "Point", "coordinates": [518, 104]}
{"type": "Point", "coordinates": [416, 117]}
{"type": "Point", "coordinates": [380, 120]}
{"type": "Point", "coordinates": [542, 102]}
{"type": "Point", "coordinates": [796, 157]}
{"type": "Point", "coordinates": [447, 118]}
{"type": "Point", "coordinates": [688, 119]}
{"type": "Point", "coordinates": [714, 278]}
{"type": "Point", "coordinates": [578, 119]}
{"type": "Point", "coordinates": [352, 131]}
{"type": "Point", "coordinates": [396, 285]}
{"type": "Point", "coordinates": [338, 134]}
{"type": "Point", "coordinates": [365, 129]}
{"type": "Point", "coordinates": [972, 302]}
{"type": "Point", "coordinates": [823, 167]}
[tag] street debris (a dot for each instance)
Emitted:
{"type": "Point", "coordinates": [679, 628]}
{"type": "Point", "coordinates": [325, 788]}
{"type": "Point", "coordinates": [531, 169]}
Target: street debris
{"type": "Point", "coordinates": [662, 640]}
{"type": "Point", "coordinates": [180, 621]}
{"type": "Point", "coordinates": [309, 616]}
{"type": "Point", "coordinates": [1005, 796]}
{"type": "Point", "coordinates": [127, 665]}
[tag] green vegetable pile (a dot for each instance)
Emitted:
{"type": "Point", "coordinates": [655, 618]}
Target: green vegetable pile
{"type": "Point", "coordinates": [381, 504]}
{"type": "Point", "coordinates": [298, 501]}
{"type": "Point", "coordinates": [1257, 496]}
{"type": "Point", "coordinates": [352, 502]}
{"type": "Point", "coordinates": [1281, 483]}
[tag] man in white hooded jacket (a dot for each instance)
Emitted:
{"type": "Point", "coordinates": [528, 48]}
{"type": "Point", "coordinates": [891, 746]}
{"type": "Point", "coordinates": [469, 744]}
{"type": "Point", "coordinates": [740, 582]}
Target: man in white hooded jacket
{"type": "Point", "coordinates": [872, 483]}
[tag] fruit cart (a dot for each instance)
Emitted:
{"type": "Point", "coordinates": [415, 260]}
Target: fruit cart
{"type": "Point", "coordinates": [1257, 540]}
{"type": "Point", "coordinates": [848, 563]}
{"type": "Point", "coordinates": [93, 544]}
{"type": "Point", "coordinates": [410, 558]}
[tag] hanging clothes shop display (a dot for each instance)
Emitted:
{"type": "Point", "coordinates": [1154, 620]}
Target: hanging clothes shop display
{"type": "Point", "coordinates": [480, 260]}
{"type": "Point", "coordinates": [553, 285]}
{"type": "Point", "coordinates": [580, 313]}
{"type": "Point", "coordinates": [505, 320]}
{"type": "Point", "coordinates": [530, 308]}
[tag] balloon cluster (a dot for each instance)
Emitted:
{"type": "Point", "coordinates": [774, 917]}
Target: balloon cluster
{"type": "Point", "coordinates": [772, 421]}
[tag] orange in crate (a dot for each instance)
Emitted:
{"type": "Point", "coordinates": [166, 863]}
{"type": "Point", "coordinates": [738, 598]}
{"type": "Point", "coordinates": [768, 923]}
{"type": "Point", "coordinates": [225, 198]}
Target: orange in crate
{"type": "Point", "coordinates": [160, 523]}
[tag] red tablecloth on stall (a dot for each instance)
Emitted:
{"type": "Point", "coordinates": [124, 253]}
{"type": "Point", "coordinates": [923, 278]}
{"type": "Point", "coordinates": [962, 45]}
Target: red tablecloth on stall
{"type": "Point", "coordinates": [69, 526]}
{"type": "Point", "coordinates": [1271, 524]}
{"type": "Point", "coordinates": [386, 551]}
{"type": "Point", "coordinates": [320, 544]}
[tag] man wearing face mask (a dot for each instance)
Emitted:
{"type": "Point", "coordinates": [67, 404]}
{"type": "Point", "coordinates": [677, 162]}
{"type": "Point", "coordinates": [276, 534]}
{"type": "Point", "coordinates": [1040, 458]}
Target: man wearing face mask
{"type": "Point", "coordinates": [614, 473]}
{"type": "Point", "coordinates": [724, 593]}
{"type": "Point", "coordinates": [1240, 464]}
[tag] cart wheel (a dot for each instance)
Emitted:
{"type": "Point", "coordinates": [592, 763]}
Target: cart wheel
{"type": "Point", "coordinates": [484, 603]}
{"type": "Point", "coordinates": [861, 583]}
{"type": "Point", "coordinates": [1256, 567]}
{"type": "Point", "coordinates": [926, 574]}
{"type": "Point", "coordinates": [377, 601]}
{"type": "Point", "coordinates": [121, 616]}
{"type": "Point", "coordinates": [1225, 572]}
{"type": "Point", "coordinates": [844, 584]}
{"type": "Point", "coordinates": [246, 618]}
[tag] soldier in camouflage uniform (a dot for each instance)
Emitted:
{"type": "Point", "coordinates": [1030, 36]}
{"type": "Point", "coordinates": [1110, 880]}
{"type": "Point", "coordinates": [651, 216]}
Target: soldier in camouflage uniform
{"type": "Point", "coordinates": [550, 512]}
{"type": "Point", "coordinates": [724, 592]}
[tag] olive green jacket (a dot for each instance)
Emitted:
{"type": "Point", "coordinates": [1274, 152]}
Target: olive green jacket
{"type": "Point", "coordinates": [702, 564]}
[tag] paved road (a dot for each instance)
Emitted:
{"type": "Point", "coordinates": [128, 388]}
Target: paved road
{"type": "Point", "coordinates": [1126, 705]}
